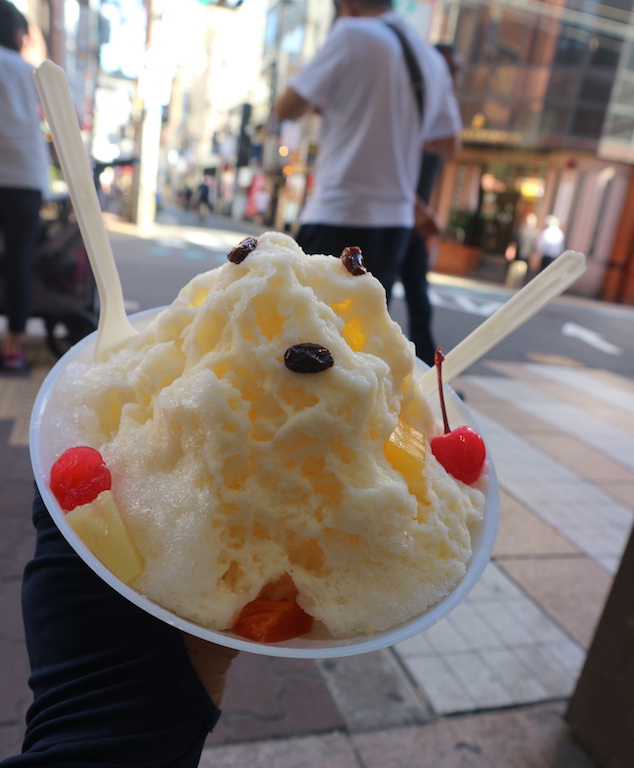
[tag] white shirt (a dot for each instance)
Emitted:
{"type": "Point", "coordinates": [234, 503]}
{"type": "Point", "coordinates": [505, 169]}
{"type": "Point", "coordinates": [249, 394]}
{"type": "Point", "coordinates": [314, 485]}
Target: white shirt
{"type": "Point", "coordinates": [551, 242]}
{"type": "Point", "coordinates": [371, 133]}
{"type": "Point", "coordinates": [24, 156]}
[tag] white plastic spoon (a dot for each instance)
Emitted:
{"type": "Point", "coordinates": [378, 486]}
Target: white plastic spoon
{"type": "Point", "coordinates": [546, 286]}
{"type": "Point", "coordinates": [52, 86]}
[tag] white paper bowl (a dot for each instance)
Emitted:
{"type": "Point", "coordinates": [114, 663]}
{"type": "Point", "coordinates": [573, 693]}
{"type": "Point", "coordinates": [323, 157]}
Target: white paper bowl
{"type": "Point", "coordinates": [311, 647]}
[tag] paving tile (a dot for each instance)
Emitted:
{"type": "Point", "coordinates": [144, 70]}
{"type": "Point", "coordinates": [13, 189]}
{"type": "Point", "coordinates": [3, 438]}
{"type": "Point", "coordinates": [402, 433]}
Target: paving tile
{"type": "Point", "coordinates": [616, 391]}
{"type": "Point", "coordinates": [538, 625]}
{"type": "Point", "coordinates": [372, 691]}
{"type": "Point", "coordinates": [503, 623]}
{"type": "Point", "coordinates": [512, 417]}
{"type": "Point", "coordinates": [559, 496]}
{"type": "Point", "coordinates": [622, 491]}
{"type": "Point", "coordinates": [444, 638]}
{"type": "Point", "coordinates": [11, 627]}
{"type": "Point", "coordinates": [532, 737]}
{"type": "Point", "coordinates": [15, 694]}
{"type": "Point", "coordinates": [494, 585]}
{"type": "Point", "coordinates": [588, 462]}
{"type": "Point", "coordinates": [571, 590]}
{"type": "Point", "coordinates": [10, 740]}
{"type": "Point", "coordinates": [440, 685]}
{"type": "Point", "coordinates": [569, 655]}
{"type": "Point", "coordinates": [612, 379]}
{"type": "Point", "coordinates": [613, 441]}
{"type": "Point", "coordinates": [418, 645]}
{"type": "Point", "coordinates": [475, 631]}
{"type": "Point", "coordinates": [20, 431]}
{"type": "Point", "coordinates": [523, 533]}
{"type": "Point", "coordinates": [544, 667]}
{"type": "Point", "coordinates": [268, 697]}
{"type": "Point", "coordinates": [514, 676]}
{"type": "Point", "coordinates": [482, 683]}
{"type": "Point", "coordinates": [308, 752]}
{"type": "Point", "coordinates": [609, 564]}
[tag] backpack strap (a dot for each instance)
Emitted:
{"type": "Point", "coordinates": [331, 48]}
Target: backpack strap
{"type": "Point", "coordinates": [415, 74]}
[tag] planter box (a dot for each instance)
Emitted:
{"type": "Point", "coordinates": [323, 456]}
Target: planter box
{"type": "Point", "coordinates": [456, 259]}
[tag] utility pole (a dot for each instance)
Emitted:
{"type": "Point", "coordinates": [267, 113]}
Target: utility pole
{"type": "Point", "coordinates": [154, 91]}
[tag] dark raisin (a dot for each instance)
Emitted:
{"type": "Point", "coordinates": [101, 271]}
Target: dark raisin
{"type": "Point", "coordinates": [308, 358]}
{"type": "Point", "coordinates": [241, 251]}
{"type": "Point", "coordinates": [353, 260]}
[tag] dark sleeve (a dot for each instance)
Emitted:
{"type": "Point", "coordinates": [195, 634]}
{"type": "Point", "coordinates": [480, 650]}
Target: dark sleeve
{"type": "Point", "coordinates": [112, 685]}
{"type": "Point", "coordinates": [429, 169]}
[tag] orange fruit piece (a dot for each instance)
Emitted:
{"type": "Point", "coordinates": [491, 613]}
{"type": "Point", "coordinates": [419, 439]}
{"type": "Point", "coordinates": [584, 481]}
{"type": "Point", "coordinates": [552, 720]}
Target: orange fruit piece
{"type": "Point", "coordinates": [272, 621]}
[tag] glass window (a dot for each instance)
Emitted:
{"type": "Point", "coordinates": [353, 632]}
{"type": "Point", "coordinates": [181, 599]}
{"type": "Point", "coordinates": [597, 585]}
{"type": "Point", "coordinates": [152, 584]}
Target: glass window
{"type": "Point", "coordinates": [564, 83]}
{"type": "Point", "coordinates": [624, 90]}
{"type": "Point", "coordinates": [528, 117]}
{"type": "Point", "coordinates": [597, 87]}
{"type": "Point", "coordinates": [572, 49]}
{"type": "Point", "coordinates": [620, 127]}
{"type": "Point", "coordinates": [556, 119]}
{"type": "Point", "coordinates": [606, 53]}
{"type": "Point", "coordinates": [588, 123]}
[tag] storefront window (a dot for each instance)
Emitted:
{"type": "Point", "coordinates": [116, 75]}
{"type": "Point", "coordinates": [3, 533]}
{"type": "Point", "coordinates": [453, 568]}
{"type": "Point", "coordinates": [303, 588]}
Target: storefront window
{"type": "Point", "coordinates": [572, 49]}
{"type": "Point", "coordinates": [588, 123]}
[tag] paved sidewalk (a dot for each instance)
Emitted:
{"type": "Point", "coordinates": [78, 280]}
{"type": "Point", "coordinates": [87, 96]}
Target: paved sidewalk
{"type": "Point", "coordinates": [488, 685]}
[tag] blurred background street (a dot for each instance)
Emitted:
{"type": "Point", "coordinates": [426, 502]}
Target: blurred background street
{"type": "Point", "coordinates": [174, 94]}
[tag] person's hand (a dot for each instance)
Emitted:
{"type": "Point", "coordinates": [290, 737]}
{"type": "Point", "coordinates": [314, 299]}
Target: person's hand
{"type": "Point", "coordinates": [211, 663]}
{"type": "Point", "coordinates": [425, 222]}
{"type": "Point", "coordinates": [511, 252]}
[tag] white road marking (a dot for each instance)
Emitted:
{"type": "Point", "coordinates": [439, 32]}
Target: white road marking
{"type": "Point", "coordinates": [590, 337]}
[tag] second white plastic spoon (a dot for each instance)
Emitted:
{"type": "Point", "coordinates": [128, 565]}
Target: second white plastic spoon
{"type": "Point", "coordinates": [546, 286]}
{"type": "Point", "coordinates": [52, 86]}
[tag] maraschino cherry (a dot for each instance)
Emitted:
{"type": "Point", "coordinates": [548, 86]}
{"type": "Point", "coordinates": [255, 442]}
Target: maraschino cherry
{"type": "Point", "coordinates": [78, 477]}
{"type": "Point", "coordinates": [461, 451]}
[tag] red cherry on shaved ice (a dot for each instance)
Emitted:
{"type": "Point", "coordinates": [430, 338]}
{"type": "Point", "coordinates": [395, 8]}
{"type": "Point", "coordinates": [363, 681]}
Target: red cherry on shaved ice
{"type": "Point", "coordinates": [460, 451]}
{"type": "Point", "coordinates": [78, 477]}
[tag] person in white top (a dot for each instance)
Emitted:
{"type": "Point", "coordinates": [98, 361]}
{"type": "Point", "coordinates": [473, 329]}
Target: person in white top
{"type": "Point", "coordinates": [372, 134]}
{"type": "Point", "coordinates": [551, 242]}
{"type": "Point", "coordinates": [23, 179]}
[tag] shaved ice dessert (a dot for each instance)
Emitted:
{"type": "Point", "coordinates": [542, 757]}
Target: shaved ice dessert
{"type": "Point", "coordinates": [265, 437]}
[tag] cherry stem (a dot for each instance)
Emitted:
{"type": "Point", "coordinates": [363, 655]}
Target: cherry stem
{"type": "Point", "coordinates": [438, 360]}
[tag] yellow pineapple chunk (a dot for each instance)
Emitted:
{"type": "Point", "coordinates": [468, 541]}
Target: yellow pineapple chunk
{"type": "Point", "coordinates": [100, 526]}
{"type": "Point", "coordinates": [405, 450]}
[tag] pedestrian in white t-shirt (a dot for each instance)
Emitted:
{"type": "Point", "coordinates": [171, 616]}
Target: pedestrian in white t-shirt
{"type": "Point", "coordinates": [551, 242]}
{"type": "Point", "coordinates": [371, 135]}
{"type": "Point", "coordinates": [23, 179]}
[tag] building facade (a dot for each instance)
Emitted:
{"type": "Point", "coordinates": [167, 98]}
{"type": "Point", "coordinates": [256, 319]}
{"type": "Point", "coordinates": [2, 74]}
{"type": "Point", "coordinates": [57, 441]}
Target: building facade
{"type": "Point", "coordinates": [546, 98]}
{"type": "Point", "coordinates": [548, 123]}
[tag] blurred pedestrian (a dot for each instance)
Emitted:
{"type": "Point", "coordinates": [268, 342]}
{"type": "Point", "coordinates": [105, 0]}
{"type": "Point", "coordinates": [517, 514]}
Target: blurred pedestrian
{"type": "Point", "coordinates": [524, 244]}
{"type": "Point", "coordinates": [551, 242]}
{"type": "Point", "coordinates": [382, 92]}
{"type": "Point", "coordinates": [519, 251]}
{"type": "Point", "coordinates": [203, 203]}
{"type": "Point", "coordinates": [23, 180]}
{"type": "Point", "coordinates": [417, 258]}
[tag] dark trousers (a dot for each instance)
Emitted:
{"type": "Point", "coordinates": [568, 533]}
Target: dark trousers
{"type": "Point", "coordinates": [112, 685]}
{"type": "Point", "coordinates": [19, 223]}
{"type": "Point", "coordinates": [383, 248]}
{"type": "Point", "coordinates": [419, 311]}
